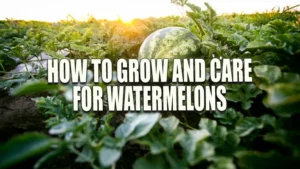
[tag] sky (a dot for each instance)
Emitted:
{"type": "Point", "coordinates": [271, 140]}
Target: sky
{"type": "Point", "coordinates": [55, 10]}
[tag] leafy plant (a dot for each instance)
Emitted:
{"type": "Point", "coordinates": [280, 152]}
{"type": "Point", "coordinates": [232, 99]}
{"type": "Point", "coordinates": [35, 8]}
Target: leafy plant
{"type": "Point", "coordinates": [260, 128]}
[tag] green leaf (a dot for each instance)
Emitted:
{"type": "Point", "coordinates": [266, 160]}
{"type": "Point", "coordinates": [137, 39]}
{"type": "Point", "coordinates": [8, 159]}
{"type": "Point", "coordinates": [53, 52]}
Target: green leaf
{"type": "Point", "coordinates": [50, 156]}
{"type": "Point", "coordinates": [261, 44]}
{"type": "Point", "coordinates": [203, 151]}
{"type": "Point", "coordinates": [23, 147]}
{"type": "Point", "coordinates": [283, 98]}
{"type": "Point", "coordinates": [219, 137]}
{"type": "Point", "coordinates": [162, 141]}
{"type": "Point", "coordinates": [82, 48]}
{"type": "Point", "coordinates": [269, 73]}
{"type": "Point", "coordinates": [267, 58]}
{"type": "Point", "coordinates": [54, 54]}
{"type": "Point", "coordinates": [35, 86]}
{"type": "Point", "coordinates": [193, 7]}
{"type": "Point", "coordinates": [137, 125]}
{"type": "Point", "coordinates": [192, 137]}
{"type": "Point", "coordinates": [289, 78]}
{"type": "Point", "coordinates": [268, 119]}
{"type": "Point", "coordinates": [248, 124]}
{"type": "Point", "coordinates": [285, 138]}
{"type": "Point", "coordinates": [191, 144]}
{"type": "Point", "coordinates": [124, 130]}
{"type": "Point", "coordinates": [10, 83]}
{"type": "Point", "coordinates": [280, 26]}
{"type": "Point", "coordinates": [62, 128]}
{"type": "Point", "coordinates": [157, 147]}
{"type": "Point", "coordinates": [109, 156]}
{"type": "Point", "coordinates": [242, 93]}
{"type": "Point", "coordinates": [112, 142]}
{"type": "Point", "coordinates": [228, 117]}
{"type": "Point", "coordinates": [222, 163]}
{"type": "Point", "coordinates": [233, 139]}
{"type": "Point", "coordinates": [208, 124]}
{"type": "Point", "coordinates": [218, 133]}
{"type": "Point", "coordinates": [238, 40]}
{"type": "Point", "coordinates": [174, 161]}
{"type": "Point", "coordinates": [151, 162]}
{"type": "Point", "coordinates": [169, 123]}
{"type": "Point", "coordinates": [85, 155]}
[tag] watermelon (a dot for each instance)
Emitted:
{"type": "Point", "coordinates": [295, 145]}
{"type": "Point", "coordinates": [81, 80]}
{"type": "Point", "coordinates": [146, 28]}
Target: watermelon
{"type": "Point", "coordinates": [171, 43]}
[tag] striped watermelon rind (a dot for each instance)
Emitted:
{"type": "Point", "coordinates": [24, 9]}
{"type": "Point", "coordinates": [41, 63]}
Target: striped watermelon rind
{"type": "Point", "coordinates": [171, 43]}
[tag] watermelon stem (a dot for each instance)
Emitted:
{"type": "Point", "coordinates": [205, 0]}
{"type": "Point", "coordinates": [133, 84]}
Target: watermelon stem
{"type": "Point", "coordinates": [198, 24]}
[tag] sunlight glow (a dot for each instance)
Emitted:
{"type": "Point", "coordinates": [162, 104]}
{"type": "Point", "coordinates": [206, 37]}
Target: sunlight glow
{"type": "Point", "coordinates": [55, 10]}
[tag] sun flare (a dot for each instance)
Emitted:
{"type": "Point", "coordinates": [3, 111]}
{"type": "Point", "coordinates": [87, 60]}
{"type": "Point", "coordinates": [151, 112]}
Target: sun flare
{"type": "Point", "coordinates": [55, 10]}
{"type": "Point", "coordinates": [126, 19]}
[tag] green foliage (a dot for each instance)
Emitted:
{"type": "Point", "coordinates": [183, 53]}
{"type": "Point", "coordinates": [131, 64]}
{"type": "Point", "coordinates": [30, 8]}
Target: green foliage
{"type": "Point", "coordinates": [23, 147]}
{"type": "Point", "coordinates": [260, 128]}
{"type": "Point", "coordinates": [242, 93]}
{"type": "Point", "coordinates": [35, 86]}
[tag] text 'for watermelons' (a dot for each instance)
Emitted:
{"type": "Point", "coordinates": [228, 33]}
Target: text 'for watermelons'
{"type": "Point", "coordinates": [149, 84]}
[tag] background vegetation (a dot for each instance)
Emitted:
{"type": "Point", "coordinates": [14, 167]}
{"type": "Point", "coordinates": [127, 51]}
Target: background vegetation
{"type": "Point", "coordinates": [260, 128]}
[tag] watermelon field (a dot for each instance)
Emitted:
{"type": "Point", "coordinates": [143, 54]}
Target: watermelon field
{"type": "Point", "coordinates": [260, 128]}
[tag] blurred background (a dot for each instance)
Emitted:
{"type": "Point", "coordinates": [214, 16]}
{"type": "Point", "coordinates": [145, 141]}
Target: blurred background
{"type": "Point", "coordinates": [56, 10]}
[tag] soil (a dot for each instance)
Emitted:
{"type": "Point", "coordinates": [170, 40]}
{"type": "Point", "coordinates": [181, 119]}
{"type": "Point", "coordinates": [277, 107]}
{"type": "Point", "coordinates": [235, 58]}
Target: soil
{"type": "Point", "coordinates": [18, 115]}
